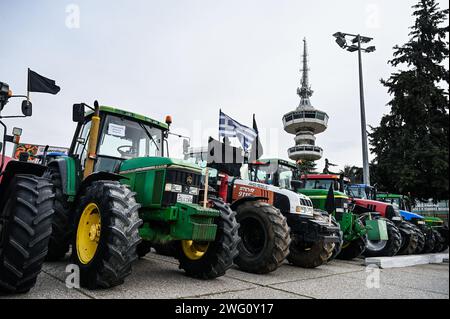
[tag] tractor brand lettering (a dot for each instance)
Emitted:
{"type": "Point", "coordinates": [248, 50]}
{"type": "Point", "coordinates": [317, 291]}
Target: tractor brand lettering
{"type": "Point", "coordinates": [244, 191]}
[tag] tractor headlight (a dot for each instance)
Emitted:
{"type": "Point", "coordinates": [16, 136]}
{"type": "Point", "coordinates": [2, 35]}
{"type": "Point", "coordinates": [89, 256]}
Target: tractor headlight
{"type": "Point", "coordinates": [173, 188]}
{"type": "Point", "coordinates": [193, 190]}
{"type": "Point", "coordinates": [300, 209]}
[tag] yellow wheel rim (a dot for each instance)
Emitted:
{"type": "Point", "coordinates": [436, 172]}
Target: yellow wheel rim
{"type": "Point", "coordinates": [194, 250]}
{"type": "Point", "coordinates": [88, 233]}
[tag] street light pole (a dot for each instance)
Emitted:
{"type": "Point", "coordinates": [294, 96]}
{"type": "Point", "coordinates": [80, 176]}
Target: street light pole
{"type": "Point", "coordinates": [355, 45]}
{"type": "Point", "coordinates": [365, 151]}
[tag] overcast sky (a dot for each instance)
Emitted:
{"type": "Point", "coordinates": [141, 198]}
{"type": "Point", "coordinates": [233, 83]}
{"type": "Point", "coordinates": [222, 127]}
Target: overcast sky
{"type": "Point", "coordinates": [187, 58]}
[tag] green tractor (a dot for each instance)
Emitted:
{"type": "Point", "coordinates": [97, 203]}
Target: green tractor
{"type": "Point", "coordinates": [356, 229]}
{"type": "Point", "coordinates": [117, 195]}
{"type": "Point", "coordinates": [26, 208]}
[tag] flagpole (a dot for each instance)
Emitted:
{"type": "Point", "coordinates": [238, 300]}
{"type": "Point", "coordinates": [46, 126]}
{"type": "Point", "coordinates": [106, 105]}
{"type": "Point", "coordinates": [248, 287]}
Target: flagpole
{"type": "Point", "coordinates": [28, 87]}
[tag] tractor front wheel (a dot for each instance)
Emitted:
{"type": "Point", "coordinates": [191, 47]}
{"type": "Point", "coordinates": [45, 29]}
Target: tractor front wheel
{"type": "Point", "coordinates": [430, 240]}
{"type": "Point", "coordinates": [25, 228]}
{"type": "Point", "coordinates": [439, 241]}
{"type": "Point", "coordinates": [353, 249]}
{"type": "Point", "coordinates": [265, 237]}
{"type": "Point", "coordinates": [420, 240]}
{"type": "Point", "coordinates": [208, 260]}
{"type": "Point", "coordinates": [409, 238]}
{"type": "Point", "coordinates": [388, 248]}
{"type": "Point", "coordinates": [106, 234]}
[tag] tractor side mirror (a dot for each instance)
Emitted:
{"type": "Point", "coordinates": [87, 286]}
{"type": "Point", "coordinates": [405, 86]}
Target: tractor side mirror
{"type": "Point", "coordinates": [27, 108]}
{"type": "Point", "coordinates": [78, 113]}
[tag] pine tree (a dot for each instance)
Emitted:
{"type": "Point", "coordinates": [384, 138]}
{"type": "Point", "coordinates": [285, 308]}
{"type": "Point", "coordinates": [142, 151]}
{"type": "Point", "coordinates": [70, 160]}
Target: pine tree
{"type": "Point", "coordinates": [411, 144]}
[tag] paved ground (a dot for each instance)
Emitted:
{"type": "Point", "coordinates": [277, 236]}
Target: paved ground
{"type": "Point", "coordinates": [158, 277]}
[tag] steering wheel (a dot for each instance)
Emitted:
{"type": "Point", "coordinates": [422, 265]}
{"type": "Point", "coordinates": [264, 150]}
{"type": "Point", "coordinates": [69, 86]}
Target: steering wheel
{"type": "Point", "coordinates": [132, 150]}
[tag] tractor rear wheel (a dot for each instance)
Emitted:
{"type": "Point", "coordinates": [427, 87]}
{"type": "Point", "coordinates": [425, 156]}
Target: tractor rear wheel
{"type": "Point", "coordinates": [106, 234]}
{"type": "Point", "coordinates": [353, 249]}
{"type": "Point", "coordinates": [388, 248]}
{"type": "Point", "coordinates": [208, 260]}
{"type": "Point", "coordinates": [409, 238]}
{"type": "Point", "coordinates": [61, 227]}
{"type": "Point", "coordinates": [25, 228]}
{"type": "Point", "coordinates": [430, 240]}
{"type": "Point", "coordinates": [265, 237]}
{"type": "Point", "coordinates": [439, 241]}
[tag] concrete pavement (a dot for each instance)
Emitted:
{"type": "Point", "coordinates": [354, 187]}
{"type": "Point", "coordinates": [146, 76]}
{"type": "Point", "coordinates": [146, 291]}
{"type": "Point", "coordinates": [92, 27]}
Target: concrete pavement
{"type": "Point", "coordinates": [157, 276]}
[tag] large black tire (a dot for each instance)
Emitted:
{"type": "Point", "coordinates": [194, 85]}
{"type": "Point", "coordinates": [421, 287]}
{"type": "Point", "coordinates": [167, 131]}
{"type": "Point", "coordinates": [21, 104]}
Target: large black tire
{"type": "Point", "coordinates": [353, 249]}
{"type": "Point", "coordinates": [430, 240]}
{"type": "Point", "coordinates": [265, 237]}
{"type": "Point", "coordinates": [310, 254]}
{"type": "Point", "coordinates": [118, 237]}
{"type": "Point", "coordinates": [439, 241]}
{"type": "Point", "coordinates": [61, 226]}
{"type": "Point", "coordinates": [220, 254]}
{"type": "Point", "coordinates": [409, 238]}
{"type": "Point", "coordinates": [25, 230]}
{"type": "Point", "coordinates": [388, 247]}
{"type": "Point", "coordinates": [444, 233]}
{"type": "Point", "coordinates": [420, 240]}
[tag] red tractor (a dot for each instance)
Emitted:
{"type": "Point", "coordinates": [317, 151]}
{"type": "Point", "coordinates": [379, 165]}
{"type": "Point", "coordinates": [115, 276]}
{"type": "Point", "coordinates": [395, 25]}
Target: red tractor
{"type": "Point", "coordinates": [26, 208]}
{"type": "Point", "coordinates": [364, 198]}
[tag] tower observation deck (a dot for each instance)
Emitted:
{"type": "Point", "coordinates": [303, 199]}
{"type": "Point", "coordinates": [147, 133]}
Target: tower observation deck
{"type": "Point", "coordinates": [305, 121]}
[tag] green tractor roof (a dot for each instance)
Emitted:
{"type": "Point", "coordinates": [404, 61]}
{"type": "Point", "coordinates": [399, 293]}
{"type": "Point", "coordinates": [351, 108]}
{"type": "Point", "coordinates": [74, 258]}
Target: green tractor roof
{"type": "Point", "coordinates": [113, 110]}
{"type": "Point", "coordinates": [389, 195]}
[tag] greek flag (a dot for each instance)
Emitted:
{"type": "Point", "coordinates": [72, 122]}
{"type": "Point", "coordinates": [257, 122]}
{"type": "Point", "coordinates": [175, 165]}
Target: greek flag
{"type": "Point", "coordinates": [231, 128]}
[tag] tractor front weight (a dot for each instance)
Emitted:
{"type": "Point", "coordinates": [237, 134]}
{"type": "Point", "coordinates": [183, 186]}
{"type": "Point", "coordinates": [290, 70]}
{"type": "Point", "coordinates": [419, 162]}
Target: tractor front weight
{"type": "Point", "coordinates": [183, 221]}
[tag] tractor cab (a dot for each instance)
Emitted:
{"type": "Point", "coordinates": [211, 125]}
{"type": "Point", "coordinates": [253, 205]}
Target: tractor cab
{"type": "Point", "coordinates": [275, 172]}
{"type": "Point", "coordinates": [121, 136]}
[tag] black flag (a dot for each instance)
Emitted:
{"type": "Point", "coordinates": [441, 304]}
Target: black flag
{"type": "Point", "coordinates": [330, 206]}
{"type": "Point", "coordinates": [38, 83]}
{"type": "Point", "coordinates": [257, 150]}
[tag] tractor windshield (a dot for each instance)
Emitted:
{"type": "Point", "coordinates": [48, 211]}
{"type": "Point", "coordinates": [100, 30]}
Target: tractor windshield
{"type": "Point", "coordinates": [273, 174]}
{"type": "Point", "coordinates": [319, 184]}
{"type": "Point", "coordinates": [125, 139]}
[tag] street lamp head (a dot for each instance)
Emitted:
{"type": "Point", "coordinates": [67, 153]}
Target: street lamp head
{"type": "Point", "coordinates": [352, 48]}
{"type": "Point", "coordinates": [341, 42]}
{"type": "Point", "coordinates": [362, 39]}
{"type": "Point", "coordinates": [338, 35]}
{"type": "Point", "coordinates": [370, 49]}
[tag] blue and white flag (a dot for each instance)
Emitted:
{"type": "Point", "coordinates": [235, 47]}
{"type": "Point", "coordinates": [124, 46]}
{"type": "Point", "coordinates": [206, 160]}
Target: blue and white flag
{"type": "Point", "coordinates": [231, 128]}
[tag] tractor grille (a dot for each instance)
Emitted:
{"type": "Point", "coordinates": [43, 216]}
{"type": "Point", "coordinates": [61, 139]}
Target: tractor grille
{"type": "Point", "coordinates": [181, 177]}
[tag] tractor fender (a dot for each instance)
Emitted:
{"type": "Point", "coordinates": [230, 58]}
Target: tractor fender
{"type": "Point", "coordinates": [98, 176]}
{"type": "Point", "coordinates": [368, 215]}
{"type": "Point", "coordinates": [242, 200]}
{"type": "Point", "coordinates": [68, 172]}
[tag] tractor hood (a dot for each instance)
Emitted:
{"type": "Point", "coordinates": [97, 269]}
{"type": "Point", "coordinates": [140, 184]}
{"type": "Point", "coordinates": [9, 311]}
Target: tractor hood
{"type": "Point", "coordinates": [409, 215]}
{"type": "Point", "coordinates": [147, 163]}
{"type": "Point", "coordinates": [321, 193]}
